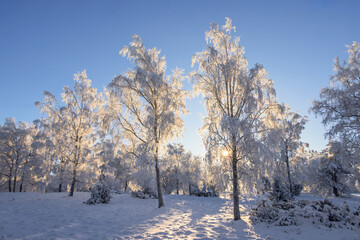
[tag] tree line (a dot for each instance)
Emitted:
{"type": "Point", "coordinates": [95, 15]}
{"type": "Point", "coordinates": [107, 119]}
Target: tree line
{"type": "Point", "coordinates": [126, 132]}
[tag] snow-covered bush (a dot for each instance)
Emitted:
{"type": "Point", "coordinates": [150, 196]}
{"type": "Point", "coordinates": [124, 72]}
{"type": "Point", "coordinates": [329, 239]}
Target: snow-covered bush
{"type": "Point", "coordinates": [279, 192]}
{"type": "Point", "coordinates": [297, 188]}
{"type": "Point", "coordinates": [318, 212]}
{"type": "Point", "coordinates": [100, 192]}
{"type": "Point", "coordinates": [144, 194]}
{"type": "Point", "coordinates": [264, 212]}
{"type": "Point", "coordinates": [205, 192]}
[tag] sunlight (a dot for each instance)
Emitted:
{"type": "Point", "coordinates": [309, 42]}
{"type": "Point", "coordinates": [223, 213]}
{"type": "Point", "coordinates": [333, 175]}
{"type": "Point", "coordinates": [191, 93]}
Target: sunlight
{"type": "Point", "coordinates": [225, 153]}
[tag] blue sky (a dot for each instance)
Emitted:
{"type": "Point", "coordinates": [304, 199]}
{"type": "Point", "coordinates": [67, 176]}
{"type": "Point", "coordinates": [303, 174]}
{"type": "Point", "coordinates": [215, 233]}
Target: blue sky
{"type": "Point", "coordinates": [43, 43]}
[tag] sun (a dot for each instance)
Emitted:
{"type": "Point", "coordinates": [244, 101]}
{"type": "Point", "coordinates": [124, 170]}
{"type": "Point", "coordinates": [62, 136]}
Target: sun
{"type": "Point", "coordinates": [225, 153]}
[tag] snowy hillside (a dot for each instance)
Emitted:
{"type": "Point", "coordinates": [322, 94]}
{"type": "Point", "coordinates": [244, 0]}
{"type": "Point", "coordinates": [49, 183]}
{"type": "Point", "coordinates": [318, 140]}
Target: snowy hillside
{"type": "Point", "coordinates": [57, 216]}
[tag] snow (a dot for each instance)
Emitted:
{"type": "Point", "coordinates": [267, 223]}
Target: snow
{"type": "Point", "coordinates": [57, 216]}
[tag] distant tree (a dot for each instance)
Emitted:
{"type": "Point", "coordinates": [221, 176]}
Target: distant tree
{"type": "Point", "coordinates": [237, 99]}
{"type": "Point", "coordinates": [15, 152]}
{"type": "Point", "coordinates": [192, 170]}
{"type": "Point", "coordinates": [116, 163]}
{"type": "Point", "coordinates": [147, 104]}
{"type": "Point", "coordinates": [181, 170]}
{"type": "Point", "coordinates": [72, 127]}
{"type": "Point", "coordinates": [177, 152]}
{"type": "Point", "coordinates": [331, 173]}
{"type": "Point", "coordinates": [290, 125]}
{"type": "Point", "coordinates": [339, 105]}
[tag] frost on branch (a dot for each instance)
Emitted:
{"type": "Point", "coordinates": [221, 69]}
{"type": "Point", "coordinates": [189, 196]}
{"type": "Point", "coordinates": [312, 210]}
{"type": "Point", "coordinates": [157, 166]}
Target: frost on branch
{"type": "Point", "coordinates": [100, 192]}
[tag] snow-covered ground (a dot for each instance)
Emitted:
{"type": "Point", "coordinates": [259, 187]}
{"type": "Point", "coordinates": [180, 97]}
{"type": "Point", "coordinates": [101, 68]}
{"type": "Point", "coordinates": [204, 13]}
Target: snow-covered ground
{"type": "Point", "coordinates": [57, 216]}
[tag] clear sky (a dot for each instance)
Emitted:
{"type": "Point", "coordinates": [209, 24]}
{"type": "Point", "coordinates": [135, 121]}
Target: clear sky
{"type": "Point", "coordinates": [43, 43]}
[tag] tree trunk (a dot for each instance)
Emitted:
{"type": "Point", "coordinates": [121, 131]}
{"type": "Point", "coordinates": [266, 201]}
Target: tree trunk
{"type": "Point", "coordinates": [235, 184]}
{"type": "Point", "coordinates": [15, 173]}
{"type": "Point", "coordinates": [21, 183]}
{"type": "Point", "coordinates": [10, 184]}
{"type": "Point", "coordinates": [125, 185]}
{"type": "Point", "coordinates": [160, 198]}
{"type": "Point", "coordinates": [189, 188]}
{"type": "Point", "coordinates": [10, 180]}
{"type": "Point", "coordinates": [288, 168]}
{"type": "Point", "coordinates": [14, 186]}
{"type": "Point", "coordinates": [62, 166]}
{"type": "Point", "coordinates": [177, 182]}
{"type": "Point", "coordinates": [335, 189]}
{"type": "Point", "coordinates": [77, 157]}
{"type": "Point", "coordinates": [156, 156]}
{"type": "Point", "coordinates": [336, 192]}
{"type": "Point", "coordinates": [72, 188]}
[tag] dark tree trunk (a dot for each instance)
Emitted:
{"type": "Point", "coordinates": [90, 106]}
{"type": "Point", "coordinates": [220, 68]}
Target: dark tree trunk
{"type": "Point", "coordinates": [72, 188]}
{"type": "Point", "coordinates": [235, 184]}
{"type": "Point", "coordinates": [336, 192]}
{"type": "Point", "coordinates": [16, 170]}
{"type": "Point", "coordinates": [77, 157]}
{"type": "Point", "coordinates": [10, 176]}
{"type": "Point", "coordinates": [189, 188]}
{"type": "Point", "coordinates": [10, 184]}
{"type": "Point", "coordinates": [335, 189]}
{"type": "Point", "coordinates": [21, 183]}
{"type": "Point", "coordinates": [288, 169]}
{"type": "Point", "coordinates": [125, 186]}
{"type": "Point", "coordinates": [14, 186]}
{"type": "Point", "coordinates": [177, 182]}
{"type": "Point", "coordinates": [62, 166]}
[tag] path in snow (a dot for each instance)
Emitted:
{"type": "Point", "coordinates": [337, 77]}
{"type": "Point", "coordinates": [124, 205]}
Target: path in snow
{"type": "Point", "coordinates": [192, 218]}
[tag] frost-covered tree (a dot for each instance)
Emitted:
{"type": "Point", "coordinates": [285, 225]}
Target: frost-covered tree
{"type": "Point", "coordinates": [237, 99]}
{"type": "Point", "coordinates": [332, 173]}
{"type": "Point", "coordinates": [16, 152]}
{"type": "Point", "coordinates": [116, 164]}
{"type": "Point", "coordinates": [192, 171]}
{"type": "Point", "coordinates": [290, 125]}
{"type": "Point", "coordinates": [216, 169]}
{"type": "Point", "coordinates": [72, 127]}
{"type": "Point", "coordinates": [300, 163]}
{"type": "Point", "coordinates": [175, 153]}
{"type": "Point", "coordinates": [56, 145]}
{"type": "Point", "coordinates": [147, 104]}
{"type": "Point", "coordinates": [181, 170]}
{"type": "Point", "coordinates": [339, 104]}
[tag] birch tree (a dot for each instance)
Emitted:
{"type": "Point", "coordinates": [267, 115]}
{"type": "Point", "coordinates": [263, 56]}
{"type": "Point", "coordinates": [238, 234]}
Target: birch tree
{"type": "Point", "coordinates": [290, 125]}
{"type": "Point", "coordinates": [339, 107]}
{"type": "Point", "coordinates": [182, 170]}
{"type": "Point", "coordinates": [73, 125]}
{"type": "Point", "coordinates": [177, 152]}
{"type": "Point", "coordinates": [15, 152]}
{"type": "Point", "coordinates": [147, 104]}
{"type": "Point", "coordinates": [338, 103]}
{"type": "Point", "coordinates": [237, 99]}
